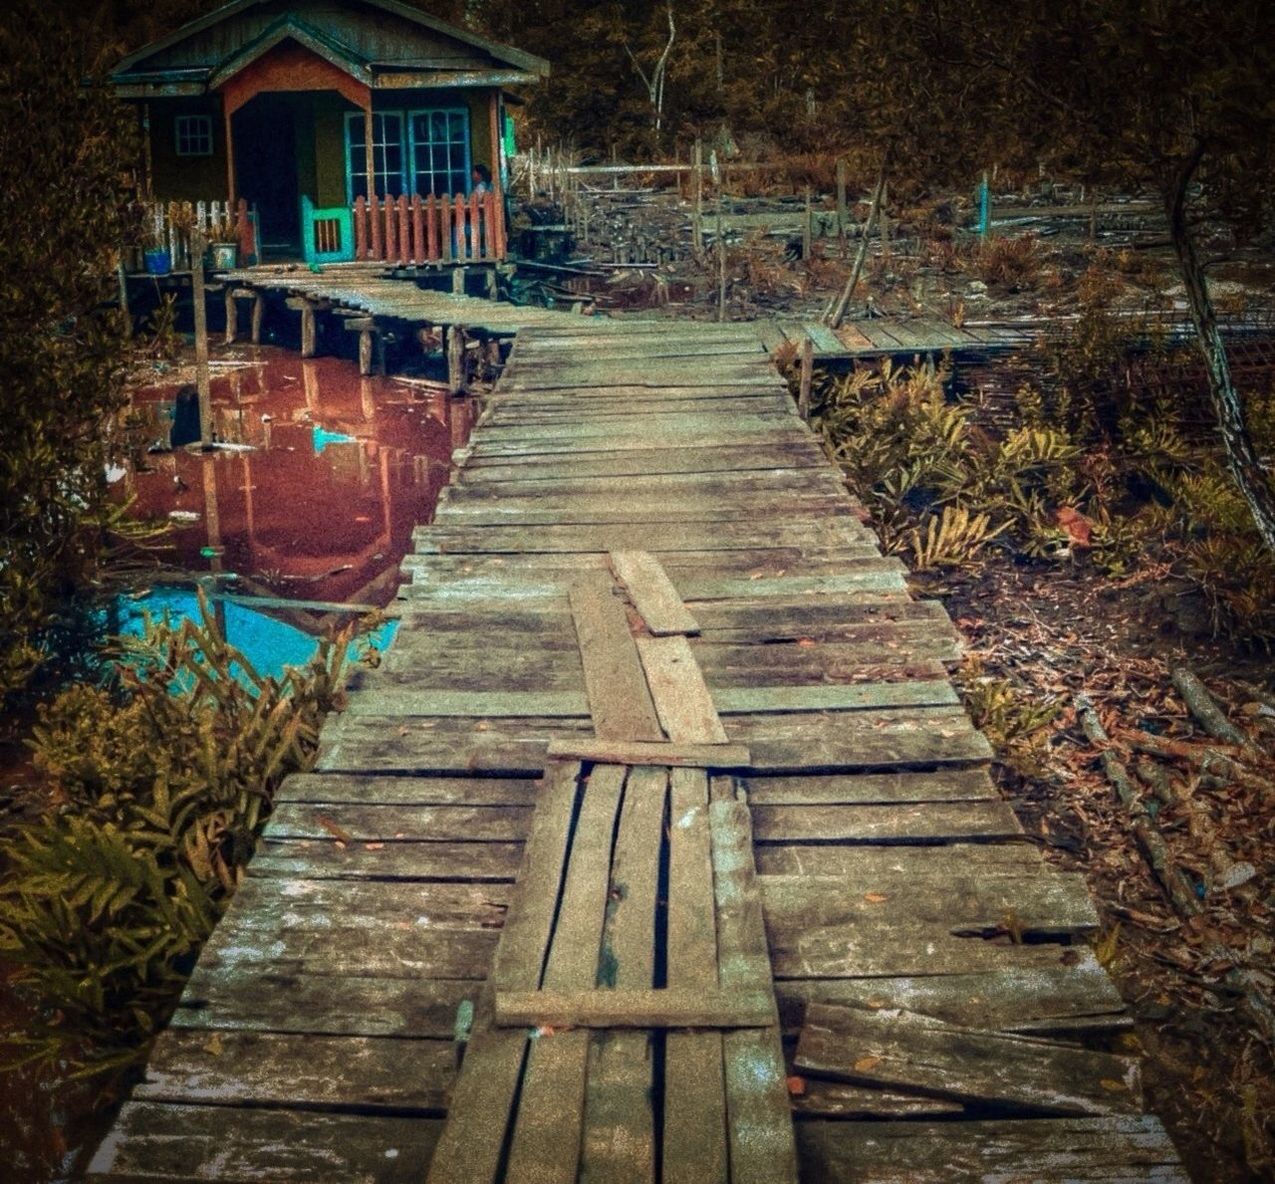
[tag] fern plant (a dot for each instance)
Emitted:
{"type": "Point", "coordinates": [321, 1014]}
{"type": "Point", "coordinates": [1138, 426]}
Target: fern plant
{"type": "Point", "coordinates": [105, 902]}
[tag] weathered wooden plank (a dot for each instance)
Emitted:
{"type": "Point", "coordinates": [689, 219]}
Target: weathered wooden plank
{"type": "Point", "coordinates": [634, 752]}
{"type": "Point", "coordinates": [761, 700]}
{"type": "Point", "coordinates": [1069, 997]}
{"type": "Point", "coordinates": [465, 704]}
{"type": "Point", "coordinates": [758, 1116]}
{"type": "Point", "coordinates": [395, 823]}
{"type": "Point", "coordinates": [682, 700]}
{"type": "Point", "coordinates": [407, 791]}
{"type": "Point", "coordinates": [901, 1050]}
{"type": "Point", "coordinates": [480, 862]}
{"type": "Point", "coordinates": [1052, 1151]}
{"type": "Point", "coordinates": [162, 1142]}
{"type": "Point", "coordinates": [272, 1069]}
{"type": "Point", "coordinates": [260, 998]}
{"type": "Point", "coordinates": [652, 593]}
{"type": "Point", "coordinates": [548, 1130]}
{"type": "Point", "coordinates": [619, 1130]}
{"type": "Point", "coordinates": [696, 1149]}
{"type": "Point", "coordinates": [940, 785]}
{"type": "Point", "coordinates": [473, 1142]}
{"type": "Point", "coordinates": [635, 1008]}
{"type": "Point", "coordinates": [923, 822]}
{"type": "Point", "coordinates": [1041, 906]}
{"type": "Point", "coordinates": [619, 700]}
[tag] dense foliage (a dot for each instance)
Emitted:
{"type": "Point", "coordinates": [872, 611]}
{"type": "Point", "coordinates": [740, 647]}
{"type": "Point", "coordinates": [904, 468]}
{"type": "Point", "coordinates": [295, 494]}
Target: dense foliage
{"type": "Point", "coordinates": [63, 209]}
{"type": "Point", "coordinates": [162, 788]}
{"type": "Point", "coordinates": [1089, 473]}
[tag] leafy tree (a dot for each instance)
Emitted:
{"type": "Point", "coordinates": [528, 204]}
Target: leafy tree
{"type": "Point", "coordinates": [67, 148]}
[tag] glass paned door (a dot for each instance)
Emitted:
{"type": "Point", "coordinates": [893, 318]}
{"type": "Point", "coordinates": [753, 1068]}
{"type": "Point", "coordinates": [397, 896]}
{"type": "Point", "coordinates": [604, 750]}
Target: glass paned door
{"type": "Point", "coordinates": [387, 148]}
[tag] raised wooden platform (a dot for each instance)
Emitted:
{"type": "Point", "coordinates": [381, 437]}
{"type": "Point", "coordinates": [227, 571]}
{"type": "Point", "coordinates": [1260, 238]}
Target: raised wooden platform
{"type": "Point", "coordinates": [893, 337]}
{"type": "Point", "coordinates": [665, 760]}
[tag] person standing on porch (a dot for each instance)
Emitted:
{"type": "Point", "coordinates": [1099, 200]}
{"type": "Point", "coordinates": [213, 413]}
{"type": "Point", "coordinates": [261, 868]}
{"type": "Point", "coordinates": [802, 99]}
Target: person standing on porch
{"type": "Point", "coordinates": [480, 175]}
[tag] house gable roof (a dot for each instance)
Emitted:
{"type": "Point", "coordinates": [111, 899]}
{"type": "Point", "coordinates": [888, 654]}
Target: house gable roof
{"type": "Point", "coordinates": [382, 43]}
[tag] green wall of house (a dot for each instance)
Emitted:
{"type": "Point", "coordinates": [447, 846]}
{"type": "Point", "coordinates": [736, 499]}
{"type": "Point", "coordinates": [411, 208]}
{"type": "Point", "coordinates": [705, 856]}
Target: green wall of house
{"type": "Point", "coordinates": [186, 178]}
{"type": "Point", "coordinates": [320, 140]}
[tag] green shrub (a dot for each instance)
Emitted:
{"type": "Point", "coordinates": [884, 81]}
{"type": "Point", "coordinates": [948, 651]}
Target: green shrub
{"type": "Point", "coordinates": [160, 793]}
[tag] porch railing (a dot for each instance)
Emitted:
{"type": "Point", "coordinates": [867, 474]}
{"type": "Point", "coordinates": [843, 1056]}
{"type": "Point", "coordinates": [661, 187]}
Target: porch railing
{"type": "Point", "coordinates": [432, 229]}
{"type": "Point", "coordinates": [172, 225]}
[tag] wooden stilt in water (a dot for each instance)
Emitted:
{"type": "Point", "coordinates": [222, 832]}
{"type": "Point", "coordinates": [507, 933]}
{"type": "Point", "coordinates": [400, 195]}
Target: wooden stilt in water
{"type": "Point", "coordinates": [309, 331]}
{"type": "Point", "coordinates": [202, 382]}
{"type": "Point", "coordinates": [456, 360]}
{"type": "Point", "coordinates": [258, 315]}
{"type": "Point", "coordinates": [458, 281]}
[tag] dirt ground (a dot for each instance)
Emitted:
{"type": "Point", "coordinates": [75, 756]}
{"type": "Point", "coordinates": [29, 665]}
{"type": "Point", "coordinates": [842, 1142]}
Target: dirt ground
{"type": "Point", "coordinates": [1039, 637]}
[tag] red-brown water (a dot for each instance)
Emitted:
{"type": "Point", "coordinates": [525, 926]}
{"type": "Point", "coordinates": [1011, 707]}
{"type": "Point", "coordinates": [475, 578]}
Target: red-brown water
{"type": "Point", "coordinates": [322, 506]}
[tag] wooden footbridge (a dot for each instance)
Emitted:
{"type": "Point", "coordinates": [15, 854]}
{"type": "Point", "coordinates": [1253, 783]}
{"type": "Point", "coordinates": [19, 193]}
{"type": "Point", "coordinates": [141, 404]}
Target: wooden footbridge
{"type": "Point", "coordinates": [658, 848]}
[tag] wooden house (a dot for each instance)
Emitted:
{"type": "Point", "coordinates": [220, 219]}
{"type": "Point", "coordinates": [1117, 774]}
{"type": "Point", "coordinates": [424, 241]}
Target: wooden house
{"type": "Point", "coordinates": [276, 107]}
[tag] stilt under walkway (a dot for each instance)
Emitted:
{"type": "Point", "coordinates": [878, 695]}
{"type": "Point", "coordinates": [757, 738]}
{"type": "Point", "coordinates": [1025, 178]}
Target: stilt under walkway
{"type": "Point", "coordinates": [658, 848]}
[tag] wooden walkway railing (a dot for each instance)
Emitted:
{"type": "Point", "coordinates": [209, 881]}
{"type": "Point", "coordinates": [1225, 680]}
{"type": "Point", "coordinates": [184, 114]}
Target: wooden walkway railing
{"type": "Point", "coordinates": [433, 229]}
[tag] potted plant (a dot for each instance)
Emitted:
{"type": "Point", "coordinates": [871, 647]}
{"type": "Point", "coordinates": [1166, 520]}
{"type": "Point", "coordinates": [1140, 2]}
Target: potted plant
{"type": "Point", "coordinates": [223, 244]}
{"type": "Point", "coordinates": [155, 253]}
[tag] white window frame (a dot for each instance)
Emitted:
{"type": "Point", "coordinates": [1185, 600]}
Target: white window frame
{"type": "Point", "coordinates": [407, 174]}
{"type": "Point", "coordinates": [193, 135]}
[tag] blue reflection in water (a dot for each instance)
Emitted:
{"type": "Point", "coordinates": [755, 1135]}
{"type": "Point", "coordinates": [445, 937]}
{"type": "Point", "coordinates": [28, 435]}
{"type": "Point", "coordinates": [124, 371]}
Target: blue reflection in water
{"type": "Point", "coordinates": [269, 644]}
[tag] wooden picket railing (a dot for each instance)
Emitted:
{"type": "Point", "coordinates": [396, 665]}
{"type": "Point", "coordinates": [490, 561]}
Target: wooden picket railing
{"type": "Point", "coordinates": [172, 226]}
{"type": "Point", "coordinates": [431, 229]}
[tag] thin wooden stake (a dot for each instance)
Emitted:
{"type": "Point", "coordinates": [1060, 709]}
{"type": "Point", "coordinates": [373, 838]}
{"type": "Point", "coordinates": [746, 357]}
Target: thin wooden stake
{"type": "Point", "coordinates": [807, 376]}
{"type": "Point", "coordinates": [202, 381]}
{"type": "Point", "coordinates": [843, 304]}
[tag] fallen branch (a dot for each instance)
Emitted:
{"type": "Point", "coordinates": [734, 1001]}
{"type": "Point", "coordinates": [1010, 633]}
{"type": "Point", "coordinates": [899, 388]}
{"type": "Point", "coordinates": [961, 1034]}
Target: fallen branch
{"type": "Point", "coordinates": [1205, 710]}
{"type": "Point", "coordinates": [1174, 882]}
{"type": "Point", "coordinates": [1246, 983]}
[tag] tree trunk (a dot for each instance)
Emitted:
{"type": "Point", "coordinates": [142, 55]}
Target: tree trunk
{"type": "Point", "coordinates": [847, 293]}
{"type": "Point", "coordinates": [1241, 457]}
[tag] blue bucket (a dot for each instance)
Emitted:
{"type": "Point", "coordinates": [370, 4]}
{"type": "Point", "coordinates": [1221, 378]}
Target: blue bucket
{"type": "Point", "coordinates": [158, 262]}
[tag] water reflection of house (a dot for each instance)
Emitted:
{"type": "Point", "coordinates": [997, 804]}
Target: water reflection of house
{"type": "Point", "coordinates": [323, 508]}
{"type": "Point", "coordinates": [284, 103]}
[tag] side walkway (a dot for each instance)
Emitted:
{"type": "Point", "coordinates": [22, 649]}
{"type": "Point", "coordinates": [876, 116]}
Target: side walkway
{"type": "Point", "coordinates": [772, 919]}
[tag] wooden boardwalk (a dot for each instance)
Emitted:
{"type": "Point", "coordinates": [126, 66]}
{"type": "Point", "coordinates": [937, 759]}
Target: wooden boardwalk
{"type": "Point", "coordinates": [657, 848]}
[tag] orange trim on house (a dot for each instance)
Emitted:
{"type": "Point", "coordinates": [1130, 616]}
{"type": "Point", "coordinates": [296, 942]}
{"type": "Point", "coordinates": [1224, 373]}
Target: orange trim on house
{"type": "Point", "coordinates": [291, 67]}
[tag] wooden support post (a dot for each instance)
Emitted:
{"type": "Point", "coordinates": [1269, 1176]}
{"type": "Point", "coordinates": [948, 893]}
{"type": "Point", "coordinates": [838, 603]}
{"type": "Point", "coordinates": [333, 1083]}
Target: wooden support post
{"type": "Point", "coordinates": [493, 284]}
{"type": "Point", "coordinates": [231, 183]}
{"type": "Point", "coordinates": [202, 381]}
{"type": "Point", "coordinates": [232, 316]}
{"type": "Point", "coordinates": [807, 376]}
{"type": "Point", "coordinates": [458, 281]}
{"type": "Point", "coordinates": [456, 360]}
{"type": "Point", "coordinates": [721, 261]}
{"type": "Point", "coordinates": [697, 219]}
{"type": "Point", "coordinates": [841, 202]}
{"type": "Point", "coordinates": [847, 293]}
{"type": "Point", "coordinates": [367, 348]}
{"type": "Point", "coordinates": [807, 226]}
{"type": "Point", "coordinates": [309, 331]}
{"type": "Point", "coordinates": [258, 315]}
{"type": "Point", "coordinates": [121, 275]}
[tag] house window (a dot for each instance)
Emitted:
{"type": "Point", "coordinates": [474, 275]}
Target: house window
{"type": "Point", "coordinates": [440, 152]}
{"type": "Point", "coordinates": [387, 149]}
{"type": "Point", "coordinates": [194, 135]}
{"type": "Point", "coordinates": [416, 152]}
